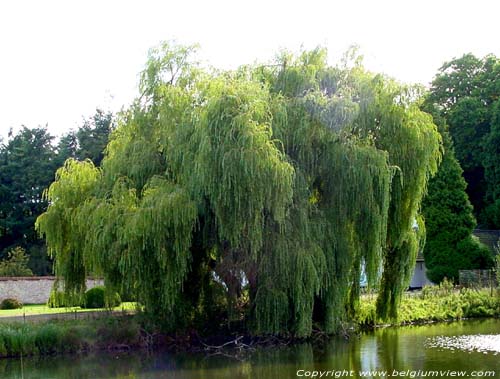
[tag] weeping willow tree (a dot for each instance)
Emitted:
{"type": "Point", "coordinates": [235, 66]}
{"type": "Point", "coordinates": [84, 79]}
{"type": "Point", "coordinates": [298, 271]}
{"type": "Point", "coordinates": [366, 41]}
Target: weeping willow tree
{"type": "Point", "coordinates": [279, 184]}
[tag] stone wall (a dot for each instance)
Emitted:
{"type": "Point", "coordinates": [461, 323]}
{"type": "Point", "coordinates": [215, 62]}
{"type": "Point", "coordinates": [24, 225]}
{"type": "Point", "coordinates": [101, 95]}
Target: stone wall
{"type": "Point", "coordinates": [32, 289]}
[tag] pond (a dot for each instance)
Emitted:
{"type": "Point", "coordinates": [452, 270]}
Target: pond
{"type": "Point", "coordinates": [462, 349]}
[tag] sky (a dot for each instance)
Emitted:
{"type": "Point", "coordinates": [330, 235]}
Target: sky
{"type": "Point", "coordinates": [60, 60]}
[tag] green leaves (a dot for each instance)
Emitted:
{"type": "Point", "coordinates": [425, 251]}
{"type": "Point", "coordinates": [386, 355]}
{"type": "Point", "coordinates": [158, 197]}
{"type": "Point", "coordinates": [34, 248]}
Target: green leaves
{"type": "Point", "coordinates": [466, 90]}
{"type": "Point", "coordinates": [27, 166]}
{"type": "Point", "coordinates": [16, 263]}
{"type": "Point", "coordinates": [277, 178]}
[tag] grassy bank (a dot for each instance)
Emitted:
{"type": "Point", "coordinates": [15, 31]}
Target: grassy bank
{"type": "Point", "coordinates": [126, 332]}
{"type": "Point", "coordinates": [438, 303]}
{"type": "Point", "coordinates": [57, 337]}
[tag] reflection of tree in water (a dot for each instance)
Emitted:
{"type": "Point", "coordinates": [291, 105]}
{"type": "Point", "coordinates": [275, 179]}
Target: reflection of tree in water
{"type": "Point", "coordinates": [282, 362]}
{"type": "Point", "coordinates": [74, 367]}
{"type": "Point", "coordinates": [388, 349]}
{"type": "Point", "coordinates": [340, 354]}
{"type": "Point", "coordinates": [398, 349]}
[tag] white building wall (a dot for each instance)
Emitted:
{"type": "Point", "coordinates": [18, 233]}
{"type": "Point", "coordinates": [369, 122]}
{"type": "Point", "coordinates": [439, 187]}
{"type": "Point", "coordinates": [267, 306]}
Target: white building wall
{"type": "Point", "coordinates": [419, 278]}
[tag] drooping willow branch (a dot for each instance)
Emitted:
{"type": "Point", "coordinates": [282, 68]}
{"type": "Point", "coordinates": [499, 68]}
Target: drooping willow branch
{"type": "Point", "coordinates": [290, 180]}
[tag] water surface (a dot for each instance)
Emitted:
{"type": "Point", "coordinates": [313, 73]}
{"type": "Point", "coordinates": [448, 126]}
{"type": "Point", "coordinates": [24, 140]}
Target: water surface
{"type": "Point", "coordinates": [462, 349]}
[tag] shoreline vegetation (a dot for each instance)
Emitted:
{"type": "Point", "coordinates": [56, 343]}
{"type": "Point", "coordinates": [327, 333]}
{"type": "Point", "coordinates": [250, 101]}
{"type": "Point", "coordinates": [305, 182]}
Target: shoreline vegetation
{"type": "Point", "coordinates": [131, 332]}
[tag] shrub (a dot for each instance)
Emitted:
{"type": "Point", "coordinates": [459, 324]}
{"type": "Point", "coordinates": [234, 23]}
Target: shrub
{"type": "Point", "coordinates": [16, 263]}
{"type": "Point", "coordinates": [11, 304]}
{"type": "Point", "coordinates": [98, 298]}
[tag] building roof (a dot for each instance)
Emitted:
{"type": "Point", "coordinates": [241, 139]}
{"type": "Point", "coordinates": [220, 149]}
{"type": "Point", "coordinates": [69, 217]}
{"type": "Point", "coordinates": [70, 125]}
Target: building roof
{"type": "Point", "coordinates": [487, 237]}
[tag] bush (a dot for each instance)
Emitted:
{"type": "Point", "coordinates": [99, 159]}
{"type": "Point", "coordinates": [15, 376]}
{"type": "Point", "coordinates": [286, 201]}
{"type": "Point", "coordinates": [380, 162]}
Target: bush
{"type": "Point", "coordinates": [16, 263]}
{"type": "Point", "coordinates": [98, 298]}
{"type": "Point", "coordinates": [11, 304]}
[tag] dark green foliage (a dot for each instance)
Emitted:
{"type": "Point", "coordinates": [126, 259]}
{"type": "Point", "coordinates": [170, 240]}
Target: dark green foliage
{"type": "Point", "coordinates": [444, 257]}
{"type": "Point", "coordinates": [28, 161]}
{"type": "Point", "coordinates": [11, 304]}
{"type": "Point", "coordinates": [284, 178]}
{"type": "Point", "coordinates": [89, 141]}
{"type": "Point", "coordinates": [67, 147]}
{"type": "Point", "coordinates": [94, 298]}
{"type": "Point", "coordinates": [466, 90]}
{"type": "Point", "coordinates": [27, 166]}
{"type": "Point", "coordinates": [491, 162]}
{"type": "Point", "coordinates": [98, 297]}
{"type": "Point", "coordinates": [39, 262]}
{"type": "Point", "coordinates": [15, 264]}
{"type": "Point", "coordinates": [93, 136]}
{"type": "Point", "coordinates": [449, 223]}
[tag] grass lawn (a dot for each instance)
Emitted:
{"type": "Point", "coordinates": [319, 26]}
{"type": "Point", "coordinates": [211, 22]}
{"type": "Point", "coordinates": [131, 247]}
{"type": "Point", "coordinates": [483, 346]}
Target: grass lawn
{"type": "Point", "coordinates": [39, 309]}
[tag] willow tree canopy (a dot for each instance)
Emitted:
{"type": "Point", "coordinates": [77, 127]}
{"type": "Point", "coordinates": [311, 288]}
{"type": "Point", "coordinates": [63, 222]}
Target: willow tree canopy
{"type": "Point", "coordinates": [282, 183]}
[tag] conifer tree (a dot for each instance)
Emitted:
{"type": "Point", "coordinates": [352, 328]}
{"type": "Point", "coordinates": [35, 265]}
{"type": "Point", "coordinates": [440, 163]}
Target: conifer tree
{"type": "Point", "coordinates": [449, 223]}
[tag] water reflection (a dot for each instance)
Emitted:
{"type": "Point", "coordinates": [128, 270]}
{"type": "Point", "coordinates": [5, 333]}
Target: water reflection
{"type": "Point", "coordinates": [410, 348]}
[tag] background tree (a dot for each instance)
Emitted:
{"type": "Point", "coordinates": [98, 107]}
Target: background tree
{"type": "Point", "coordinates": [28, 162]}
{"type": "Point", "coordinates": [491, 162]}
{"type": "Point", "coordinates": [288, 177]}
{"type": "Point", "coordinates": [89, 141]}
{"type": "Point", "coordinates": [27, 166]}
{"type": "Point", "coordinates": [67, 147]}
{"type": "Point", "coordinates": [465, 89]}
{"type": "Point", "coordinates": [449, 222]}
{"type": "Point", "coordinates": [92, 137]}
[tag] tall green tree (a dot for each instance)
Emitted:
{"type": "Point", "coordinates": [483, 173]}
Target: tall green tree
{"type": "Point", "coordinates": [89, 141]}
{"type": "Point", "coordinates": [491, 162]}
{"type": "Point", "coordinates": [67, 147]}
{"type": "Point", "coordinates": [465, 90]}
{"type": "Point", "coordinates": [27, 166]}
{"type": "Point", "coordinates": [288, 177]}
{"type": "Point", "coordinates": [449, 222]}
{"type": "Point", "coordinates": [93, 136]}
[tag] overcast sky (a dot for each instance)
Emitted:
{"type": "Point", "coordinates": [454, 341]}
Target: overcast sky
{"type": "Point", "coordinates": [60, 60]}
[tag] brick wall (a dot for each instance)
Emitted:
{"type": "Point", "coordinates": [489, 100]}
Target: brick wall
{"type": "Point", "coordinates": [32, 289]}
